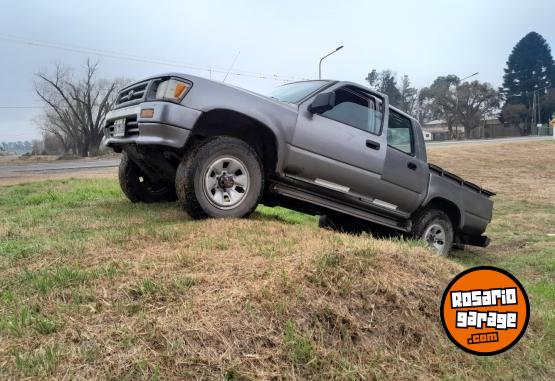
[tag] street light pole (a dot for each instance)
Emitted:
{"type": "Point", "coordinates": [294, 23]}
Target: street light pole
{"type": "Point", "coordinates": [327, 55]}
{"type": "Point", "coordinates": [536, 107]}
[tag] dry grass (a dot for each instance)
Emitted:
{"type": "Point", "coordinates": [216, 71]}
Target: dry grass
{"type": "Point", "coordinates": [523, 176]}
{"type": "Point", "coordinates": [515, 171]}
{"type": "Point", "coordinates": [93, 287]}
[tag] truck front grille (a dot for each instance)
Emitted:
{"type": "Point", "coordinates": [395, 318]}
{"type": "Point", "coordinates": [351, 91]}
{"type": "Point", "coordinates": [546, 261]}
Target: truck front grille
{"type": "Point", "coordinates": [133, 94]}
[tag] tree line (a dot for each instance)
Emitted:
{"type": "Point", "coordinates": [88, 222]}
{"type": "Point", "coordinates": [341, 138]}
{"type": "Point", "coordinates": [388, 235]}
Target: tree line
{"type": "Point", "coordinates": [18, 147]}
{"type": "Point", "coordinates": [526, 97]}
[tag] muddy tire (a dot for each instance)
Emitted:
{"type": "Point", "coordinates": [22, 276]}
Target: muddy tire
{"type": "Point", "coordinates": [136, 186]}
{"type": "Point", "coordinates": [435, 228]}
{"type": "Point", "coordinates": [222, 177]}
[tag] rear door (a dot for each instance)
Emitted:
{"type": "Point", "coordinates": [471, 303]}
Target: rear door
{"type": "Point", "coordinates": [405, 171]}
{"type": "Point", "coordinates": [342, 149]}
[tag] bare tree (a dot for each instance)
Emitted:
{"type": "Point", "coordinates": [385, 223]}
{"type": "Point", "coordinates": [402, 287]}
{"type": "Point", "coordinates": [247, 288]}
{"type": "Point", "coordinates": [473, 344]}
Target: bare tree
{"type": "Point", "coordinates": [75, 108]}
{"type": "Point", "coordinates": [52, 144]}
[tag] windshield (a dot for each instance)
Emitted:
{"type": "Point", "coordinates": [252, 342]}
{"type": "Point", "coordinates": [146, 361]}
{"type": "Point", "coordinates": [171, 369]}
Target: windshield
{"type": "Point", "coordinates": [294, 92]}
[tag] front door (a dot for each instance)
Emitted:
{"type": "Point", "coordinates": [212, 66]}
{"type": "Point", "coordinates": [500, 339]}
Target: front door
{"type": "Point", "coordinates": [344, 148]}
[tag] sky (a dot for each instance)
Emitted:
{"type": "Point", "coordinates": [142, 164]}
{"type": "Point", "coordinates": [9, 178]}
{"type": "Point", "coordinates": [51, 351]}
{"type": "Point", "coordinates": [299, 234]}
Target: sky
{"type": "Point", "coordinates": [422, 39]}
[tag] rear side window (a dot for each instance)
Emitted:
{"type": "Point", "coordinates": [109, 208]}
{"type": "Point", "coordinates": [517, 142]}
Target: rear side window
{"type": "Point", "coordinates": [399, 133]}
{"type": "Point", "coordinates": [355, 110]}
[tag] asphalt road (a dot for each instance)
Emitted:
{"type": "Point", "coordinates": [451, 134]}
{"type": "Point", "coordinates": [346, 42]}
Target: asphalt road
{"type": "Point", "coordinates": [21, 169]}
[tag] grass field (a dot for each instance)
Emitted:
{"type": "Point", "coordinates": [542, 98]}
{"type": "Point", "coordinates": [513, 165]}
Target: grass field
{"type": "Point", "coordinates": [94, 287]}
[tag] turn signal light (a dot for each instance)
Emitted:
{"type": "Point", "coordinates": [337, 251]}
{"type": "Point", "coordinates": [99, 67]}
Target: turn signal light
{"type": "Point", "coordinates": [180, 89]}
{"type": "Point", "coordinates": [147, 113]}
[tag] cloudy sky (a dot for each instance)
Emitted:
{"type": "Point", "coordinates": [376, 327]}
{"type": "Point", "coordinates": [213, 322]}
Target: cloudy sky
{"type": "Point", "coordinates": [422, 39]}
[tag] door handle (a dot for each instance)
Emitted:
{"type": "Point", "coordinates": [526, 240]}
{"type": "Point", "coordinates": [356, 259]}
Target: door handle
{"type": "Point", "coordinates": [372, 144]}
{"type": "Point", "coordinates": [412, 166]}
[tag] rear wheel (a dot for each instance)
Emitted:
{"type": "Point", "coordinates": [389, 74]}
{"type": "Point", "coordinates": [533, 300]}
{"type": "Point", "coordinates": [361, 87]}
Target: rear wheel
{"type": "Point", "coordinates": [221, 178]}
{"type": "Point", "coordinates": [138, 188]}
{"type": "Point", "coordinates": [435, 228]}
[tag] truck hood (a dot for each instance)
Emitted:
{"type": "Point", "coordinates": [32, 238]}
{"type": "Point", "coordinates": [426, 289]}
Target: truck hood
{"type": "Point", "coordinates": [200, 80]}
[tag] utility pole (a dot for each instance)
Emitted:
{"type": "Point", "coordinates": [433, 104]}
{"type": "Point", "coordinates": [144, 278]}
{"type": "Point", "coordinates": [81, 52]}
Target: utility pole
{"type": "Point", "coordinates": [327, 55]}
{"type": "Point", "coordinates": [536, 106]}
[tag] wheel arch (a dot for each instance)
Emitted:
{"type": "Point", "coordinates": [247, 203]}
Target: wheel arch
{"type": "Point", "coordinates": [226, 122]}
{"type": "Point", "coordinates": [449, 207]}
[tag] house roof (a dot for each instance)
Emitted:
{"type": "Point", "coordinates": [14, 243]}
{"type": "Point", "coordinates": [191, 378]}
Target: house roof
{"type": "Point", "coordinates": [434, 122]}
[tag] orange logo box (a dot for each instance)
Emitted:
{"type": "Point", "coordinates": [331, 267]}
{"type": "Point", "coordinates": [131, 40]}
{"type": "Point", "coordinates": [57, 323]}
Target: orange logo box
{"type": "Point", "coordinates": [485, 310]}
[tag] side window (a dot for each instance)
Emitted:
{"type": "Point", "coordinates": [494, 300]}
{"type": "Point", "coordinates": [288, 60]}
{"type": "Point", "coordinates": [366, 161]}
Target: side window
{"type": "Point", "coordinates": [399, 133]}
{"type": "Point", "coordinates": [355, 110]}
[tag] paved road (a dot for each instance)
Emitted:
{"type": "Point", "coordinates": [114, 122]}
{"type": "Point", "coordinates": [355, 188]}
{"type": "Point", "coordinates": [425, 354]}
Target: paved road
{"type": "Point", "coordinates": [20, 169]}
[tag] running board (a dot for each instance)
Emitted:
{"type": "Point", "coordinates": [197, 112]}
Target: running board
{"type": "Point", "coordinates": [309, 197]}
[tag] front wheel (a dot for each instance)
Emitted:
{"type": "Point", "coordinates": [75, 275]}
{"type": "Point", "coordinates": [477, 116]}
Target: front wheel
{"type": "Point", "coordinates": [435, 228]}
{"type": "Point", "coordinates": [138, 188]}
{"type": "Point", "coordinates": [221, 178]}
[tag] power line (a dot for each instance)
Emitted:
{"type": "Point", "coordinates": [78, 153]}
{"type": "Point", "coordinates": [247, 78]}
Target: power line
{"type": "Point", "coordinates": [131, 57]}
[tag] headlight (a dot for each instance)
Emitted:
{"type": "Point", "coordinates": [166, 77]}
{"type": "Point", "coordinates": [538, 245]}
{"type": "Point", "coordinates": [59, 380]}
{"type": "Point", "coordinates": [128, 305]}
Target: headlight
{"type": "Point", "coordinates": [172, 90]}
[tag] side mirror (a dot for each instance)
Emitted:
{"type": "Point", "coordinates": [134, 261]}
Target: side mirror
{"type": "Point", "coordinates": [322, 103]}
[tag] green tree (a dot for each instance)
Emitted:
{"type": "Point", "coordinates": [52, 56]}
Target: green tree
{"type": "Point", "coordinates": [403, 96]}
{"type": "Point", "coordinates": [409, 96]}
{"type": "Point", "coordinates": [385, 82]}
{"type": "Point", "coordinates": [514, 114]}
{"type": "Point", "coordinates": [475, 101]}
{"type": "Point", "coordinates": [530, 68]}
{"type": "Point", "coordinates": [459, 103]}
{"type": "Point", "coordinates": [440, 99]}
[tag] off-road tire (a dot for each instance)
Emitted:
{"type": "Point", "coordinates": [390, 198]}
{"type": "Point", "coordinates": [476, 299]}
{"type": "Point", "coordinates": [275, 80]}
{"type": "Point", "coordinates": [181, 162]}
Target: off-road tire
{"type": "Point", "coordinates": [426, 220]}
{"type": "Point", "coordinates": [190, 177]}
{"type": "Point", "coordinates": [138, 188]}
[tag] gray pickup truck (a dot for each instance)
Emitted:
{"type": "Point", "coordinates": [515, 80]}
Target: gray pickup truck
{"type": "Point", "coordinates": [332, 148]}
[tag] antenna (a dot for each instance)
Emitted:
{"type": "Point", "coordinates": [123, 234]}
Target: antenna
{"type": "Point", "coordinates": [231, 67]}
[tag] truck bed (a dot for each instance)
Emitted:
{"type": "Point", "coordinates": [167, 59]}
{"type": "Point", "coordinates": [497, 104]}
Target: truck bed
{"type": "Point", "coordinates": [442, 172]}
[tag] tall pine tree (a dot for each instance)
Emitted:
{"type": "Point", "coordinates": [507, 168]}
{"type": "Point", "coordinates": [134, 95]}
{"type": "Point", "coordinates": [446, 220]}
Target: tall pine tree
{"type": "Point", "coordinates": [530, 67]}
